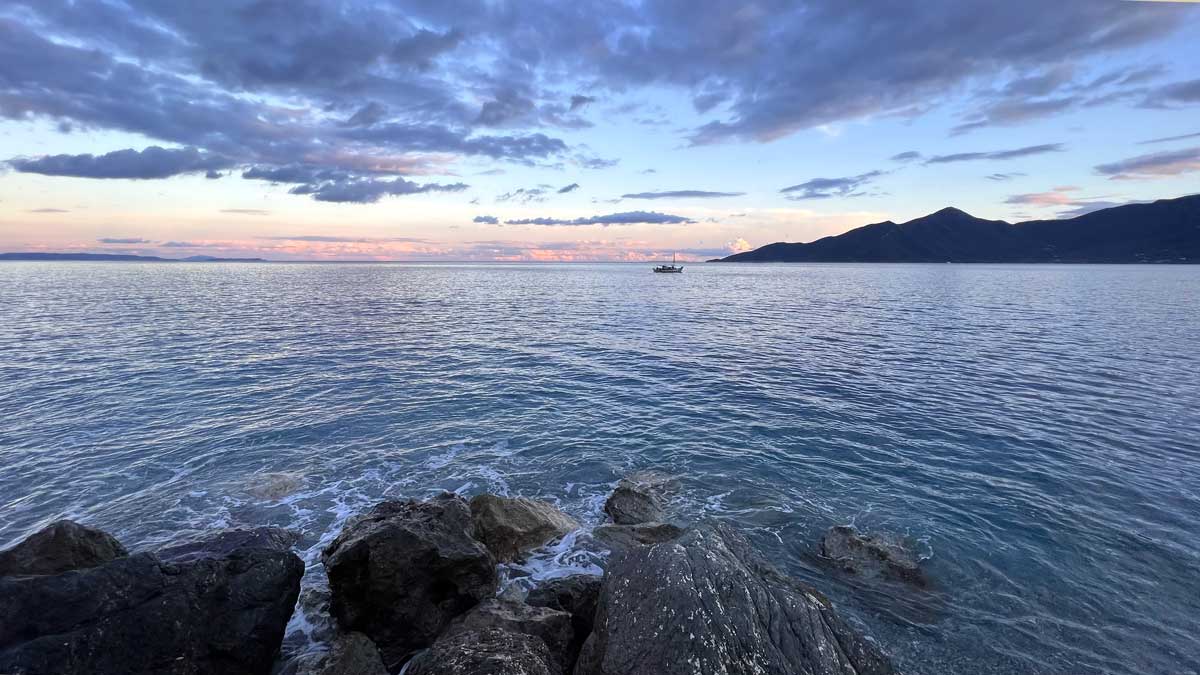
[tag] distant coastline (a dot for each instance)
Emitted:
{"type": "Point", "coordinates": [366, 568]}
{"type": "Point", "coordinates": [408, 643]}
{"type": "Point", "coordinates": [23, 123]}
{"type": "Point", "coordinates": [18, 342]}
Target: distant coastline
{"type": "Point", "coordinates": [1165, 231]}
{"type": "Point", "coordinates": [116, 257]}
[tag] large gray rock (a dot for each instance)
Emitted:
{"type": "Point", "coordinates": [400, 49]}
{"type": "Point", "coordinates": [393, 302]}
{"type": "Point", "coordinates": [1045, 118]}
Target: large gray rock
{"type": "Point", "coordinates": [60, 547]}
{"type": "Point", "coordinates": [510, 527]}
{"type": "Point", "coordinates": [492, 651]}
{"type": "Point", "coordinates": [576, 595]}
{"type": "Point", "coordinates": [636, 499]}
{"type": "Point", "coordinates": [349, 654]}
{"type": "Point", "coordinates": [552, 626]}
{"type": "Point", "coordinates": [707, 604]}
{"type": "Point", "coordinates": [219, 614]}
{"type": "Point", "coordinates": [404, 570]}
{"type": "Point", "coordinates": [871, 557]}
{"type": "Point", "coordinates": [620, 537]}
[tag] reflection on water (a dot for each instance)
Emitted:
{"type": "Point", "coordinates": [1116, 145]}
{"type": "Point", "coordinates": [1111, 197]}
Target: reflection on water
{"type": "Point", "coordinates": [1032, 429]}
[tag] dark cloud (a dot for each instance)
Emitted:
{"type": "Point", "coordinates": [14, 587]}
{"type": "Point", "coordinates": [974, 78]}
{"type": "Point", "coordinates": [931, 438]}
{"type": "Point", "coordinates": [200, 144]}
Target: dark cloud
{"type": "Point", "coordinates": [213, 175]}
{"type": "Point", "coordinates": [596, 162]}
{"type": "Point", "coordinates": [906, 156]}
{"type": "Point", "coordinates": [325, 239]}
{"type": "Point", "coordinates": [580, 100]}
{"type": "Point", "coordinates": [153, 162]}
{"type": "Point", "coordinates": [627, 218]}
{"type": "Point", "coordinates": [524, 195]}
{"type": "Point", "coordinates": [247, 212]}
{"type": "Point", "coordinates": [824, 188]}
{"type": "Point", "coordinates": [367, 115]}
{"type": "Point", "coordinates": [1004, 176]}
{"type": "Point", "coordinates": [124, 240]}
{"type": "Point", "coordinates": [486, 220]}
{"type": "Point", "coordinates": [48, 210]}
{"type": "Point", "coordinates": [1168, 139]}
{"type": "Point", "coordinates": [1155, 165]}
{"type": "Point", "coordinates": [681, 194]}
{"type": "Point", "coordinates": [568, 188]}
{"type": "Point", "coordinates": [1027, 151]}
{"type": "Point", "coordinates": [368, 190]}
{"type": "Point", "coordinates": [1175, 94]}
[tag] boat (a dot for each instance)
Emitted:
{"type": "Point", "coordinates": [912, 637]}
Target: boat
{"type": "Point", "coordinates": [669, 269]}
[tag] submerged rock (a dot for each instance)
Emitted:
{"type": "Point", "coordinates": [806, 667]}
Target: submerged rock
{"type": "Point", "coordinates": [707, 604]}
{"type": "Point", "coordinates": [620, 537]}
{"type": "Point", "coordinates": [274, 486]}
{"type": "Point", "coordinates": [492, 651]}
{"type": "Point", "coordinates": [404, 570]}
{"type": "Point", "coordinates": [636, 500]}
{"type": "Point", "coordinates": [552, 626]}
{"type": "Point", "coordinates": [350, 654]}
{"type": "Point", "coordinates": [871, 557]}
{"type": "Point", "coordinates": [60, 547]}
{"type": "Point", "coordinates": [510, 527]}
{"type": "Point", "coordinates": [221, 613]}
{"type": "Point", "coordinates": [224, 542]}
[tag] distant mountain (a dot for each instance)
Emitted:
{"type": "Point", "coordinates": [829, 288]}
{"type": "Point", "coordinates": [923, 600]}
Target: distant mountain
{"type": "Point", "coordinates": [1166, 231]}
{"type": "Point", "coordinates": [115, 257]}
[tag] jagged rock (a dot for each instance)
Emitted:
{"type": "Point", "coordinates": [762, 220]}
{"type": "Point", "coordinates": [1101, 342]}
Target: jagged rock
{"type": "Point", "coordinates": [218, 614]}
{"type": "Point", "coordinates": [636, 499]}
{"type": "Point", "coordinates": [871, 557]}
{"type": "Point", "coordinates": [509, 527]}
{"type": "Point", "coordinates": [707, 604]}
{"type": "Point", "coordinates": [576, 595]}
{"type": "Point", "coordinates": [552, 626]}
{"type": "Point", "coordinates": [404, 570]}
{"type": "Point", "coordinates": [60, 547]}
{"type": "Point", "coordinates": [619, 537]}
{"type": "Point", "coordinates": [350, 654]}
{"type": "Point", "coordinates": [224, 542]}
{"type": "Point", "coordinates": [492, 651]}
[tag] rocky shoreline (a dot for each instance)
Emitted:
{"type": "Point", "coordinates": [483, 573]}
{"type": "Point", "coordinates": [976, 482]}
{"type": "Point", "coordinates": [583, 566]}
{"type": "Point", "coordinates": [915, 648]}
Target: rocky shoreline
{"type": "Point", "coordinates": [414, 588]}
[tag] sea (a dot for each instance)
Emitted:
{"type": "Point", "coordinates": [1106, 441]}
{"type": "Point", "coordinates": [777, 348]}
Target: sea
{"type": "Point", "coordinates": [1031, 433]}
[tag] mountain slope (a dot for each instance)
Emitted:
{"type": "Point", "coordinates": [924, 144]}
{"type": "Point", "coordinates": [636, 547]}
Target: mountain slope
{"type": "Point", "coordinates": [1167, 230]}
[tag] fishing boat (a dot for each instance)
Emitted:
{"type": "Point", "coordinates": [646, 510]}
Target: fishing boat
{"type": "Point", "coordinates": [669, 269]}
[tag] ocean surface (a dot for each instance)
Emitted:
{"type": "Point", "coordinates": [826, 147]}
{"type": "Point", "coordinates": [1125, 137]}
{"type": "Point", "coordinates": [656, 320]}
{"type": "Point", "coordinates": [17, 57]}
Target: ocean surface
{"type": "Point", "coordinates": [1033, 432]}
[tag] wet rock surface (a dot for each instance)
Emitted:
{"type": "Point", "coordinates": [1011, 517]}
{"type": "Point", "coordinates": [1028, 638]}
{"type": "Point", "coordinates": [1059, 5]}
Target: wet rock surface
{"type": "Point", "coordinates": [221, 612]}
{"type": "Point", "coordinates": [510, 527]}
{"type": "Point", "coordinates": [576, 595]}
{"type": "Point", "coordinates": [553, 627]}
{"type": "Point", "coordinates": [349, 654]}
{"type": "Point", "coordinates": [60, 547]}
{"type": "Point", "coordinates": [871, 556]}
{"type": "Point", "coordinates": [404, 570]}
{"type": "Point", "coordinates": [619, 537]}
{"type": "Point", "coordinates": [706, 603]}
{"type": "Point", "coordinates": [636, 499]}
{"type": "Point", "coordinates": [491, 651]}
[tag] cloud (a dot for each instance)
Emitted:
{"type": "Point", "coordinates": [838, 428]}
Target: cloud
{"type": "Point", "coordinates": [1168, 139]}
{"type": "Point", "coordinates": [1154, 165]}
{"type": "Point", "coordinates": [524, 195]}
{"type": "Point", "coordinates": [823, 188]}
{"type": "Point", "coordinates": [568, 188]}
{"type": "Point", "coordinates": [1005, 176]}
{"type": "Point", "coordinates": [1055, 197]}
{"type": "Point", "coordinates": [247, 212]}
{"type": "Point", "coordinates": [580, 100]}
{"type": "Point", "coordinates": [153, 162]}
{"type": "Point", "coordinates": [124, 240]}
{"type": "Point", "coordinates": [595, 162]}
{"type": "Point", "coordinates": [366, 191]}
{"type": "Point", "coordinates": [738, 245]}
{"type": "Point", "coordinates": [47, 210]}
{"type": "Point", "coordinates": [1175, 94]}
{"type": "Point", "coordinates": [681, 194]}
{"type": "Point", "coordinates": [627, 218]}
{"type": "Point", "coordinates": [328, 238]}
{"type": "Point", "coordinates": [997, 154]}
{"type": "Point", "coordinates": [486, 220]}
{"type": "Point", "coordinates": [906, 156]}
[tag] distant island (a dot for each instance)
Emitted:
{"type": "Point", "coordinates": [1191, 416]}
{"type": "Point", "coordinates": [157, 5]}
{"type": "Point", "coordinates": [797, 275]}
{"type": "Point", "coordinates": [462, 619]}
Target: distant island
{"type": "Point", "coordinates": [116, 257]}
{"type": "Point", "coordinates": [1165, 231]}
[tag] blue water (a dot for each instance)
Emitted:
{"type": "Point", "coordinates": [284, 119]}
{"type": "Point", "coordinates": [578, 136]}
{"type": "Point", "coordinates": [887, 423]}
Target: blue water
{"type": "Point", "coordinates": [1032, 431]}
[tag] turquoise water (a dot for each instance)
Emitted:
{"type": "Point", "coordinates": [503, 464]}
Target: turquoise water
{"type": "Point", "coordinates": [1032, 431]}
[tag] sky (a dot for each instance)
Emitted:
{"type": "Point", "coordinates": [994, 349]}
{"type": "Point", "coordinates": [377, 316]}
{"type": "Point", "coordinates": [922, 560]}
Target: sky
{"type": "Point", "coordinates": [584, 130]}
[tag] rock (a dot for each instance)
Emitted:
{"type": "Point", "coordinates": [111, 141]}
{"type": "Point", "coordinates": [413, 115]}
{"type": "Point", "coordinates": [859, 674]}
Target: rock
{"type": "Point", "coordinates": [224, 542]}
{"type": "Point", "coordinates": [509, 527]}
{"type": "Point", "coordinates": [274, 486]}
{"type": "Point", "coordinates": [350, 654]}
{"type": "Point", "coordinates": [576, 595]}
{"type": "Point", "coordinates": [552, 626]}
{"type": "Point", "coordinates": [636, 500]}
{"type": "Point", "coordinates": [871, 557]}
{"type": "Point", "coordinates": [140, 615]}
{"type": "Point", "coordinates": [619, 537]}
{"type": "Point", "coordinates": [60, 547]}
{"type": "Point", "coordinates": [706, 604]}
{"type": "Point", "coordinates": [491, 651]}
{"type": "Point", "coordinates": [404, 570]}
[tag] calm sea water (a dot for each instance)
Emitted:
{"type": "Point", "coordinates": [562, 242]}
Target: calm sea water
{"type": "Point", "coordinates": [1033, 431]}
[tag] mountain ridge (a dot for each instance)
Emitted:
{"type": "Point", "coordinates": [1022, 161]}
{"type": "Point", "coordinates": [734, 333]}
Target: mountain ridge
{"type": "Point", "coordinates": [113, 257]}
{"type": "Point", "coordinates": [1164, 231]}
